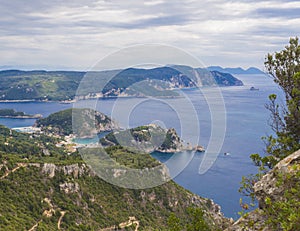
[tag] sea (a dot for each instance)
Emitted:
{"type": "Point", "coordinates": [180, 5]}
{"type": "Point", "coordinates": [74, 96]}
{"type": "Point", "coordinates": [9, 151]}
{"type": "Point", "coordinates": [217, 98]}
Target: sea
{"type": "Point", "coordinates": [231, 121]}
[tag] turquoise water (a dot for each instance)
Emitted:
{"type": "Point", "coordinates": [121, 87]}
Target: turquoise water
{"type": "Point", "coordinates": [90, 140]}
{"type": "Point", "coordinates": [246, 123]}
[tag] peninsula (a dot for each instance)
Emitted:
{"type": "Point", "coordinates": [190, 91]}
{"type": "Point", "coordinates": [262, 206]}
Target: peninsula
{"type": "Point", "coordinates": [11, 113]}
{"type": "Point", "coordinates": [149, 138]}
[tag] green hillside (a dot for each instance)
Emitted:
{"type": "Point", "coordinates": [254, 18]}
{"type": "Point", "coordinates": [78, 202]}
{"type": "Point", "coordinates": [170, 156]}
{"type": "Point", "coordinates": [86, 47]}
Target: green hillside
{"type": "Point", "coordinates": [70, 121]}
{"type": "Point", "coordinates": [59, 191]}
{"type": "Point", "coordinates": [38, 85]}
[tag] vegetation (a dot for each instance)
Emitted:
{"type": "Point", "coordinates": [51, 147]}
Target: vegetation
{"type": "Point", "coordinates": [20, 147]}
{"type": "Point", "coordinates": [131, 159]}
{"type": "Point", "coordinates": [284, 67]}
{"type": "Point", "coordinates": [285, 214]}
{"type": "Point", "coordinates": [80, 200]}
{"type": "Point", "coordinates": [195, 222]}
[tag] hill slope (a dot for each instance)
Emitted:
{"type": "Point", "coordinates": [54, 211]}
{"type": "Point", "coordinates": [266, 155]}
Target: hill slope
{"type": "Point", "coordinates": [61, 192]}
{"type": "Point", "coordinates": [237, 70]}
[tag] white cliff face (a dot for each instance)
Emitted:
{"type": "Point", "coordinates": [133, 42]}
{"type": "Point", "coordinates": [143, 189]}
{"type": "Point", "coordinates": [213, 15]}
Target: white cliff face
{"type": "Point", "coordinates": [69, 187]}
{"type": "Point", "coordinates": [49, 169]}
{"type": "Point", "coordinates": [74, 170]}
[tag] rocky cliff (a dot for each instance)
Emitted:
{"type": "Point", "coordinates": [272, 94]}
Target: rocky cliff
{"type": "Point", "coordinates": [278, 195]}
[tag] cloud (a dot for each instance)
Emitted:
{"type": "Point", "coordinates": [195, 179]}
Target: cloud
{"type": "Point", "coordinates": [77, 33]}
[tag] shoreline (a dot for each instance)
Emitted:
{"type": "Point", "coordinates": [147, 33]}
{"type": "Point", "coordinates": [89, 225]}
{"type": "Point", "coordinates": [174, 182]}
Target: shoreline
{"type": "Point", "coordinates": [22, 117]}
{"type": "Point", "coordinates": [82, 98]}
{"type": "Point", "coordinates": [75, 101]}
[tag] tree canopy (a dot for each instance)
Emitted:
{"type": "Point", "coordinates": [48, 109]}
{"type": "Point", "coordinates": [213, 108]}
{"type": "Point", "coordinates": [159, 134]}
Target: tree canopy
{"type": "Point", "coordinates": [284, 67]}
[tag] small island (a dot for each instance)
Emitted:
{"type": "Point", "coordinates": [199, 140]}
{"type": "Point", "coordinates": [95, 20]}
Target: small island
{"type": "Point", "coordinates": [13, 114]}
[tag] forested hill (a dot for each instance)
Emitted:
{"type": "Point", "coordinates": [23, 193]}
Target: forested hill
{"type": "Point", "coordinates": [70, 121]}
{"type": "Point", "coordinates": [62, 85]}
{"type": "Point", "coordinates": [53, 190]}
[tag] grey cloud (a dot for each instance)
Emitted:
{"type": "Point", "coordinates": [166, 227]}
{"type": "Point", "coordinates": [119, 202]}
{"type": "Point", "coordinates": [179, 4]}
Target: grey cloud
{"type": "Point", "coordinates": [35, 18]}
{"type": "Point", "coordinates": [278, 13]}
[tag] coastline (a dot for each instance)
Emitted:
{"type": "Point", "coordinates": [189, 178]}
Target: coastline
{"type": "Point", "coordinates": [19, 100]}
{"type": "Point", "coordinates": [23, 117]}
{"type": "Point", "coordinates": [91, 98]}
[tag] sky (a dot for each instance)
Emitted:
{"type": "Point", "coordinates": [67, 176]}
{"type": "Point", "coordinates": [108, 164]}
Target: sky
{"type": "Point", "coordinates": [76, 34]}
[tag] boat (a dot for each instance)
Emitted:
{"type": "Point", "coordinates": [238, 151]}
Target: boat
{"type": "Point", "coordinates": [253, 89]}
{"type": "Point", "coordinates": [199, 148]}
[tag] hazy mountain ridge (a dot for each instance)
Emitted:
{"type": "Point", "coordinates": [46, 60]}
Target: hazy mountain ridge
{"type": "Point", "coordinates": [237, 70]}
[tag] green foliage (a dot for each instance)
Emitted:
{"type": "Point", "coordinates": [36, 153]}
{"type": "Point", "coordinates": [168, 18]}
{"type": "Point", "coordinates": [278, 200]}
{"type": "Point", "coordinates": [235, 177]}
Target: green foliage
{"type": "Point", "coordinates": [131, 159]}
{"type": "Point", "coordinates": [174, 223]}
{"type": "Point", "coordinates": [195, 222]}
{"type": "Point", "coordinates": [97, 204]}
{"type": "Point", "coordinates": [284, 67]}
{"type": "Point", "coordinates": [246, 188]}
{"type": "Point", "coordinates": [28, 145]}
{"type": "Point", "coordinates": [285, 214]}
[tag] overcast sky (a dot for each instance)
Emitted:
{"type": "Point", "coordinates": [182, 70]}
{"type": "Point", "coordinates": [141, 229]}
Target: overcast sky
{"type": "Point", "coordinates": [75, 34]}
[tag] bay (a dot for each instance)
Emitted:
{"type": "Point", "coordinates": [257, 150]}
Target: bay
{"type": "Point", "coordinates": [246, 122]}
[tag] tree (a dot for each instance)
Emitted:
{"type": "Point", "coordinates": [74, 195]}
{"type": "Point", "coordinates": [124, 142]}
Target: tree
{"type": "Point", "coordinates": [174, 223]}
{"type": "Point", "coordinates": [195, 221]}
{"type": "Point", "coordinates": [284, 67]}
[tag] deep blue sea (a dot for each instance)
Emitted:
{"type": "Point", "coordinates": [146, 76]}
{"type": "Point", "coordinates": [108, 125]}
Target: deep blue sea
{"type": "Point", "coordinates": [246, 122]}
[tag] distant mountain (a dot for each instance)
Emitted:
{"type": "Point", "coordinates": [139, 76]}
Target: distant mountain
{"type": "Point", "coordinates": [226, 79]}
{"type": "Point", "coordinates": [64, 85]}
{"type": "Point", "coordinates": [237, 70]}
